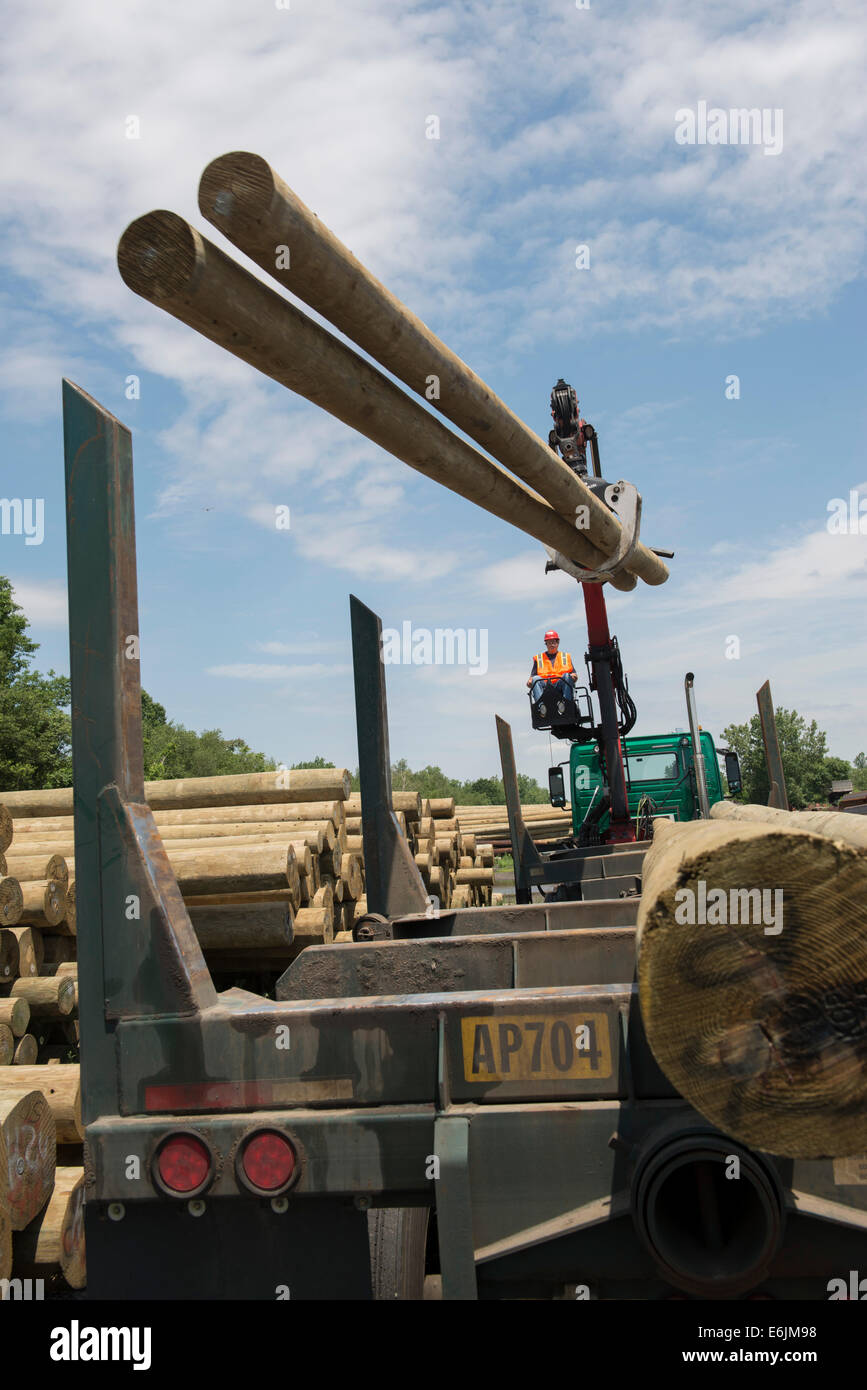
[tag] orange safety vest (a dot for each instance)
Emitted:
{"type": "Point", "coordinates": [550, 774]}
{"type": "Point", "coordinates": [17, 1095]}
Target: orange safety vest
{"type": "Point", "coordinates": [550, 670]}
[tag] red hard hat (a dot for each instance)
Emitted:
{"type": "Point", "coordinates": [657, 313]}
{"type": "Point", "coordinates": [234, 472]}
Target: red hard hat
{"type": "Point", "coordinates": [552, 635]}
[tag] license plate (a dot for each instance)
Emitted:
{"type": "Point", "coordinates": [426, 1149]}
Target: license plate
{"type": "Point", "coordinates": [536, 1047]}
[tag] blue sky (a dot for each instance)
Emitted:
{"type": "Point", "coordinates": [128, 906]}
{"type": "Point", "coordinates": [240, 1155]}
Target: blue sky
{"type": "Point", "coordinates": [557, 129]}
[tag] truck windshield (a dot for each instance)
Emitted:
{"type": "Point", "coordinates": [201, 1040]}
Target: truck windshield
{"type": "Point", "coordinates": [653, 767]}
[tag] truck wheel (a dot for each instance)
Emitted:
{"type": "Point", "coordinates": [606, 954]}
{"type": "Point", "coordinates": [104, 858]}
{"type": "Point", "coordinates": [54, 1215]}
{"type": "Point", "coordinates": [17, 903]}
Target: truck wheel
{"type": "Point", "coordinates": [398, 1244]}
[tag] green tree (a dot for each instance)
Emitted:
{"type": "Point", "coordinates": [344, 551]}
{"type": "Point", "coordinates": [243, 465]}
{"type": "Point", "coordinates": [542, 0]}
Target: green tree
{"type": "Point", "coordinates": [171, 750]}
{"type": "Point", "coordinates": [35, 747]}
{"type": "Point", "coordinates": [431, 781]}
{"type": "Point", "coordinates": [859, 772]}
{"type": "Point", "coordinates": [316, 762]}
{"type": "Point", "coordinates": [807, 766]}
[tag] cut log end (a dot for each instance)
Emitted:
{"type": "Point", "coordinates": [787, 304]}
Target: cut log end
{"type": "Point", "coordinates": [230, 175]}
{"type": "Point", "coordinates": [157, 255]}
{"type": "Point", "coordinates": [756, 1009]}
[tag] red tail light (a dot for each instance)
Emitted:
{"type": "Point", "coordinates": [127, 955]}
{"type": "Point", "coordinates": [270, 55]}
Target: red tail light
{"type": "Point", "coordinates": [183, 1164]}
{"type": "Point", "coordinates": [267, 1162]}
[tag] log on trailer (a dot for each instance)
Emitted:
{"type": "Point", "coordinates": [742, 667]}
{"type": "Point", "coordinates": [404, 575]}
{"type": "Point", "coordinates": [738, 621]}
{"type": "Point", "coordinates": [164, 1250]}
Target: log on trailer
{"type": "Point", "coordinates": [752, 971]}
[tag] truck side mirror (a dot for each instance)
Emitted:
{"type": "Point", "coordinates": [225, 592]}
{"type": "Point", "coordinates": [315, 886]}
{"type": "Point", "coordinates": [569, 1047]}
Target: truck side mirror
{"type": "Point", "coordinates": [556, 788]}
{"type": "Point", "coordinates": [733, 771]}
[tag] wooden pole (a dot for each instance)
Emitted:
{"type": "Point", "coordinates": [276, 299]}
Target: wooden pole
{"type": "Point", "coordinates": [26, 1051]}
{"type": "Point", "coordinates": [242, 196]}
{"type": "Point", "coordinates": [15, 1014]}
{"type": "Point", "coordinates": [49, 996]}
{"type": "Point", "coordinates": [28, 1141]}
{"type": "Point", "coordinates": [165, 260]}
{"type": "Point", "coordinates": [8, 955]}
{"type": "Point", "coordinates": [314, 926]}
{"type": "Point", "coordinates": [11, 901]}
{"type": "Point", "coordinates": [44, 902]}
{"type": "Point", "coordinates": [304, 841]}
{"type": "Point", "coordinates": [247, 788]}
{"type": "Point", "coordinates": [251, 927]}
{"type": "Point", "coordinates": [54, 1239]}
{"type": "Point", "coordinates": [62, 827]}
{"type": "Point", "coordinates": [834, 825]}
{"type": "Point", "coordinates": [234, 870]}
{"type": "Point", "coordinates": [26, 867]}
{"type": "Point", "coordinates": [5, 827]}
{"type": "Point", "coordinates": [752, 957]}
{"type": "Point", "coordinates": [30, 951]}
{"type": "Point", "coordinates": [61, 1089]}
{"type": "Point", "coordinates": [407, 802]}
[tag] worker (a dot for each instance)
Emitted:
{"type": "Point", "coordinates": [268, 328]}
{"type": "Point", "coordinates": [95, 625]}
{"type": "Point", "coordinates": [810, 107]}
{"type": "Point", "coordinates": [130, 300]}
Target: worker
{"type": "Point", "coordinates": [553, 669]}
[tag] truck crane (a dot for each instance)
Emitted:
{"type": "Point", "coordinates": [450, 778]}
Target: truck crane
{"type": "Point", "coordinates": [674, 775]}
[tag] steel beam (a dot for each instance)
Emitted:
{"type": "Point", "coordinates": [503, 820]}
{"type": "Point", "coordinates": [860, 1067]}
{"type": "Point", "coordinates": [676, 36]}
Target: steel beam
{"type": "Point", "coordinates": [526, 858]}
{"type": "Point", "coordinates": [393, 882]}
{"type": "Point", "coordinates": [138, 954]}
{"type": "Point", "coordinates": [776, 776]}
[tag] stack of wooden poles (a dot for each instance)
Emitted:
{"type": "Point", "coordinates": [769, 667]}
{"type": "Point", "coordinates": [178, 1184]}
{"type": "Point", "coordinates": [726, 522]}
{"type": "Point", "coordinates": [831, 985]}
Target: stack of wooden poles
{"type": "Point", "coordinates": [491, 823]}
{"type": "Point", "coordinates": [261, 859]}
{"type": "Point", "coordinates": [41, 1162]}
{"type": "Point", "coordinates": [455, 867]}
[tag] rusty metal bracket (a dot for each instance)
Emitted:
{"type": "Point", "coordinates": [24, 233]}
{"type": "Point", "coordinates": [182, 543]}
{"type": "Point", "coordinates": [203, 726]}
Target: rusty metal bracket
{"type": "Point", "coordinates": [624, 500]}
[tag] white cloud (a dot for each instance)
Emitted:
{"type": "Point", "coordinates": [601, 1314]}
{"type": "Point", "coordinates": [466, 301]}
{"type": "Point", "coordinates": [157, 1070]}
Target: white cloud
{"type": "Point", "coordinates": [44, 603]}
{"type": "Point", "coordinates": [313, 643]}
{"type": "Point", "coordinates": [251, 671]}
{"type": "Point", "coordinates": [522, 578]}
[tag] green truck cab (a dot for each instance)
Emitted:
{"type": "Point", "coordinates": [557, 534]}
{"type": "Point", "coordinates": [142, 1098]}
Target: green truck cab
{"type": "Point", "coordinates": [659, 767]}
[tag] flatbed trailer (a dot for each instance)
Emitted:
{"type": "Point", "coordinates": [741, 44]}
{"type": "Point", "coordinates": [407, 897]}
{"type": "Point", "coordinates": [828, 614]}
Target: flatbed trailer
{"type": "Point", "coordinates": [469, 1092]}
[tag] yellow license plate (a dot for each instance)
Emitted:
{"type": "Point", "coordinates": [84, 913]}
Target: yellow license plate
{"type": "Point", "coordinates": [536, 1047]}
